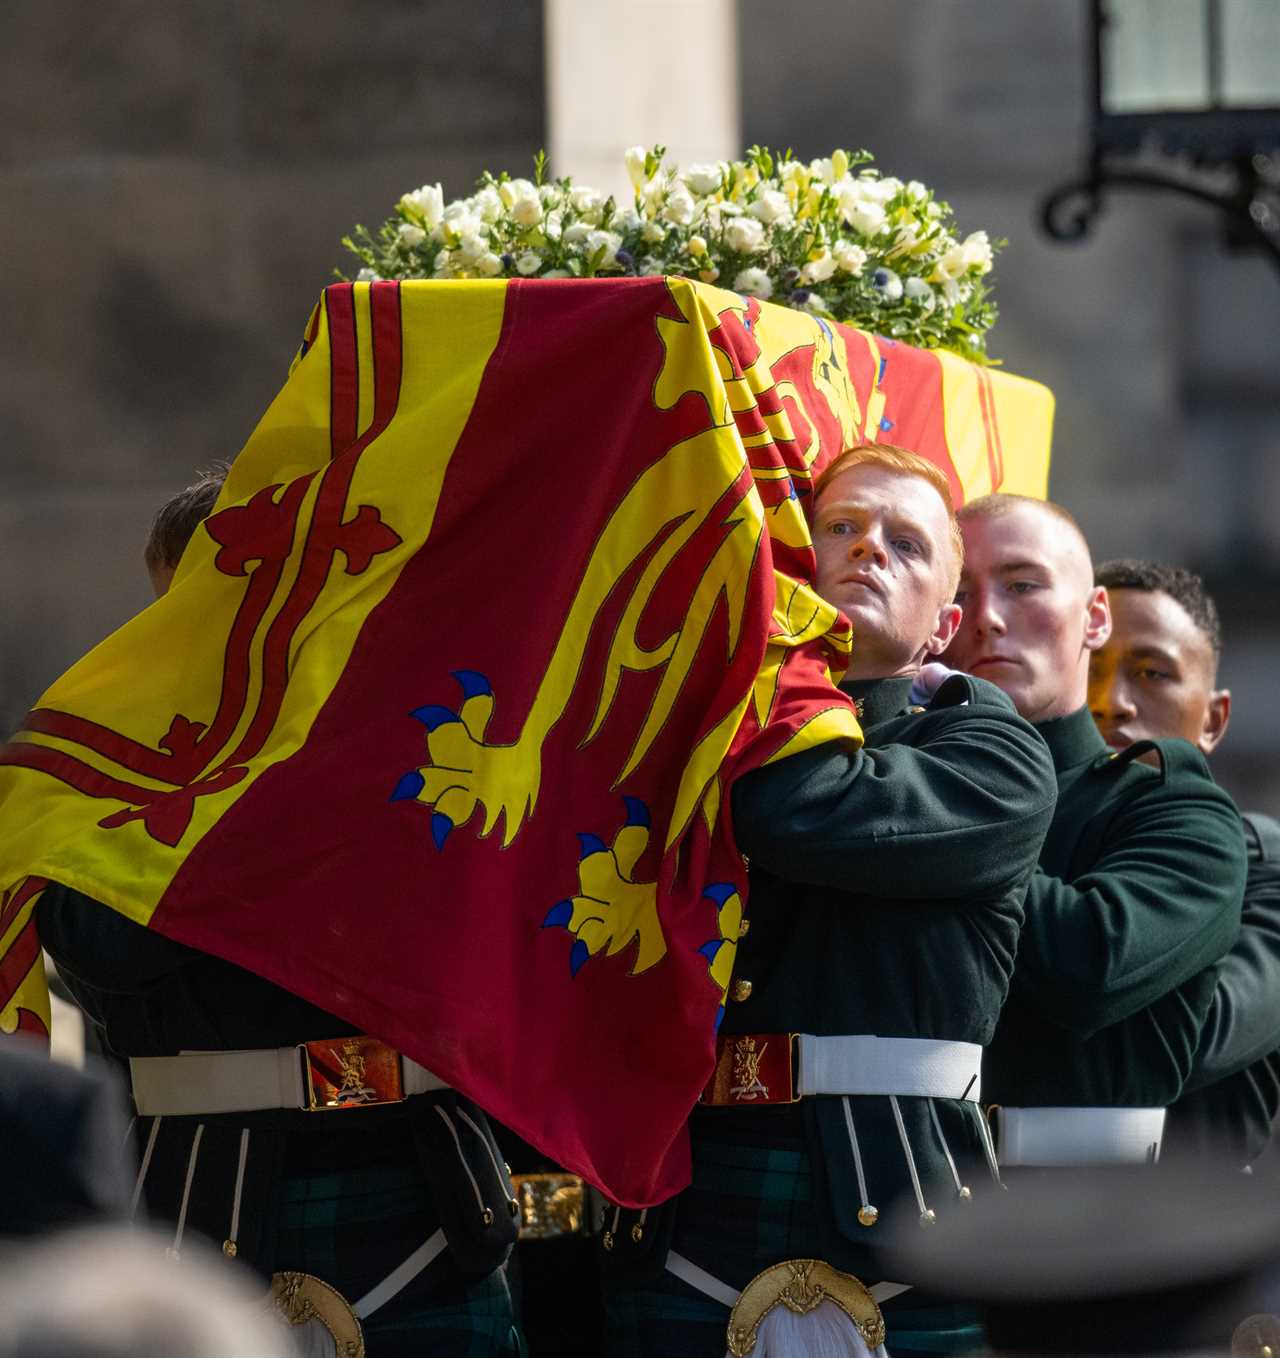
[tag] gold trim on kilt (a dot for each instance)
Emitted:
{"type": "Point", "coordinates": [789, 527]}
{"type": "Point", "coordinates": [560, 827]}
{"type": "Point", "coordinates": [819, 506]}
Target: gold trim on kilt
{"type": "Point", "coordinates": [802, 1285]}
{"type": "Point", "coordinates": [300, 1297]}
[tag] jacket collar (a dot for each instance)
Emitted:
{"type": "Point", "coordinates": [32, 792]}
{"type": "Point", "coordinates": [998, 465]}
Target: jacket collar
{"type": "Point", "coordinates": [877, 700]}
{"type": "Point", "coordinates": [1072, 740]}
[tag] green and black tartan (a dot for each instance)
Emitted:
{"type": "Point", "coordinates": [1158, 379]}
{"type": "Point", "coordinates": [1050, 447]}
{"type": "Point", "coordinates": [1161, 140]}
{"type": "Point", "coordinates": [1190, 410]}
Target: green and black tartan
{"type": "Point", "coordinates": [749, 1206]}
{"type": "Point", "coordinates": [360, 1225]}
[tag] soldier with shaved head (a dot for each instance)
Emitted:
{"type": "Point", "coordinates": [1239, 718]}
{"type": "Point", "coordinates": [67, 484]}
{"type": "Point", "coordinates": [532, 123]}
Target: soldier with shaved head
{"type": "Point", "coordinates": [1137, 893]}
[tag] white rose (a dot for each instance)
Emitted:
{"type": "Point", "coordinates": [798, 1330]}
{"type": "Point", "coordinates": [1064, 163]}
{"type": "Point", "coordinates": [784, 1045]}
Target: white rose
{"type": "Point", "coordinates": [549, 195]}
{"type": "Point", "coordinates": [526, 211]}
{"type": "Point", "coordinates": [754, 282]}
{"type": "Point", "coordinates": [818, 270]}
{"type": "Point", "coordinates": [850, 257]}
{"type": "Point", "coordinates": [634, 158]}
{"type": "Point", "coordinates": [488, 265]}
{"type": "Point", "coordinates": [887, 284]}
{"type": "Point", "coordinates": [606, 241]}
{"type": "Point", "coordinates": [696, 245]}
{"type": "Point", "coordinates": [487, 204]}
{"type": "Point", "coordinates": [867, 219]}
{"type": "Point", "coordinates": [528, 263]}
{"type": "Point", "coordinates": [679, 207]}
{"type": "Point", "coordinates": [512, 189]}
{"type": "Point", "coordinates": [652, 232]}
{"type": "Point", "coordinates": [703, 179]}
{"type": "Point", "coordinates": [709, 275]}
{"type": "Point", "coordinates": [588, 204]}
{"type": "Point", "coordinates": [411, 235]}
{"type": "Point", "coordinates": [744, 235]}
{"type": "Point", "coordinates": [770, 206]}
{"type": "Point", "coordinates": [576, 233]}
{"type": "Point", "coordinates": [367, 276]}
{"type": "Point", "coordinates": [626, 220]}
{"type": "Point", "coordinates": [444, 265]}
{"type": "Point", "coordinates": [552, 226]}
{"type": "Point", "coordinates": [977, 252]}
{"type": "Point", "coordinates": [919, 291]}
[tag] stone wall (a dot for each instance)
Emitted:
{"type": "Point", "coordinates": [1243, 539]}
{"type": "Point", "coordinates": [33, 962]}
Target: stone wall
{"type": "Point", "coordinates": [174, 181]}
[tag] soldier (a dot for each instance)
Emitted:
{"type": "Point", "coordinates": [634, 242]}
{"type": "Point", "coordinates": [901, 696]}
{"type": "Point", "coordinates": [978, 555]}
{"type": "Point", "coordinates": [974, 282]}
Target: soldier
{"type": "Point", "coordinates": [1137, 894]}
{"type": "Point", "coordinates": [1156, 677]}
{"type": "Point", "coordinates": [374, 1194]}
{"type": "Point", "coordinates": [886, 890]}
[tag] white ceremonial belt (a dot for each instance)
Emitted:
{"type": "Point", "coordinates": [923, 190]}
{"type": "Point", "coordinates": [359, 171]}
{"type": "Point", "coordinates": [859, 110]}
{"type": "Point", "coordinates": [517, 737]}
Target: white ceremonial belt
{"type": "Point", "coordinates": [1078, 1136]}
{"type": "Point", "coordinates": [921, 1067]}
{"type": "Point", "coordinates": [249, 1081]}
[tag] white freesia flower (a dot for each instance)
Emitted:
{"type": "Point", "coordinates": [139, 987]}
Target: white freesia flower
{"type": "Point", "coordinates": [576, 234]}
{"type": "Point", "coordinates": [849, 257]}
{"type": "Point", "coordinates": [588, 204]}
{"type": "Point", "coordinates": [952, 263]}
{"type": "Point", "coordinates": [653, 232]}
{"type": "Point", "coordinates": [627, 219]}
{"type": "Point", "coordinates": [444, 265]}
{"type": "Point", "coordinates": [488, 265]}
{"type": "Point", "coordinates": [823, 170]}
{"type": "Point", "coordinates": [460, 220]}
{"type": "Point", "coordinates": [793, 175]}
{"type": "Point", "coordinates": [887, 284]}
{"type": "Point", "coordinates": [528, 263]}
{"type": "Point", "coordinates": [552, 226]}
{"type": "Point", "coordinates": [977, 252]}
{"type": "Point", "coordinates": [411, 235]}
{"type": "Point", "coordinates": [471, 245]}
{"type": "Point", "coordinates": [428, 200]}
{"type": "Point", "coordinates": [716, 214]}
{"type": "Point", "coordinates": [879, 190]}
{"type": "Point", "coordinates": [744, 235]}
{"type": "Point", "coordinates": [703, 179]}
{"type": "Point", "coordinates": [679, 208]}
{"type": "Point", "coordinates": [916, 190]}
{"type": "Point", "coordinates": [820, 269]}
{"type": "Point", "coordinates": [754, 282]}
{"type": "Point", "coordinates": [770, 206]}
{"type": "Point", "coordinates": [867, 219]}
{"type": "Point", "coordinates": [634, 158]}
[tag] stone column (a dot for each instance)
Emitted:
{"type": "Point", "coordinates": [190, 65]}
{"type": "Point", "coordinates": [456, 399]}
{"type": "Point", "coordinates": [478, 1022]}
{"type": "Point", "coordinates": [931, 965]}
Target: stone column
{"type": "Point", "coordinates": [649, 71]}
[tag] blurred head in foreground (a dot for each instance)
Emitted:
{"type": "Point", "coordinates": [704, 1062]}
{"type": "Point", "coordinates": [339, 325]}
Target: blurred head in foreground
{"type": "Point", "coordinates": [111, 1293]}
{"type": "Point", "coordinates": [1125, 1260]}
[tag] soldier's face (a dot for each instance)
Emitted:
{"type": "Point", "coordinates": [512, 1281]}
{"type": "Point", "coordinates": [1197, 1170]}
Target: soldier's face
{"type": "Point", "coordinates": [1031, 611]}
{"type": "Point", "coordinates": [883, 543]}
{"type": "Point", "coordinates": [1154, 677]}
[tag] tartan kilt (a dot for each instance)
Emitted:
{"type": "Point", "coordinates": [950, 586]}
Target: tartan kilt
{"type": "Point", "coordinates": [359, 1225]}
{"type": "Point", "coordinates": [750, 1206]}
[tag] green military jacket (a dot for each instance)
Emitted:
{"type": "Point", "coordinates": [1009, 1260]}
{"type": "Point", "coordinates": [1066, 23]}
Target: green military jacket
{"type": "Point", "coordinates": [1231, 1099]}
{"type": "Point", "coordinates": [1135, 900]}
{"type": "Point", "coordinates": [886, 896]}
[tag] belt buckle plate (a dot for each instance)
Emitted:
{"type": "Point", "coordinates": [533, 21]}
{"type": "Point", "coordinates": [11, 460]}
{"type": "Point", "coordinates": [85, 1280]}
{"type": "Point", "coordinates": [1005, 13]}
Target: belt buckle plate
{"type": "Point", "coordinates": [350, 1072]}
{"type": "Point", "coordinates": [753, 1070]}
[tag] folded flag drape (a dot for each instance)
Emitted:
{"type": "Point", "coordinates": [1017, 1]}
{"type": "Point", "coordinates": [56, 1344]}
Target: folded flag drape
{"type": "Point", "coordinates": [438, 724]}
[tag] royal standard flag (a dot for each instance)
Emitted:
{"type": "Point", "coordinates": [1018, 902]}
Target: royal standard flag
{"type": "Point", "coordinates": [437, 726]}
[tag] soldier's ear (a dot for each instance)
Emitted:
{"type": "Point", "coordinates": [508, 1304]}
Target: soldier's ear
{"type": "Point", "coordinates": [1216, 716]}
{"type": "Point", "coordinates": [1097, 619]}
{"type": "Point", "coordinates": [949, 616]}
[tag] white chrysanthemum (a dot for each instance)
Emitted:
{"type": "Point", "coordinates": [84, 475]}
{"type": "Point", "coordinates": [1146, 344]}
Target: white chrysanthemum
{"type": "Point", "coordinates": [754, 282]}
{"type": "Point", "coordinates": [744, 235]}
{"type": "Point", "coordinates": [528, 263]}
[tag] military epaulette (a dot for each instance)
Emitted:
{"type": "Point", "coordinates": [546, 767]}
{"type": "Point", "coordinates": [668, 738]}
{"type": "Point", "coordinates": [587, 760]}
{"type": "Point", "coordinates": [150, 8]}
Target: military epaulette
{"type": "Point", "coordinates": [1171, 758]}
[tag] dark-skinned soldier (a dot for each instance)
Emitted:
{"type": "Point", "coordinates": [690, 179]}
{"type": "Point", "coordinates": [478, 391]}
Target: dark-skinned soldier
{"type": "Point", "coordinates": [1155, 678]}
{"type": "Point", "coordinates": [886, 890]}
{"type": "Point", "coordinates": [1137, 895]}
